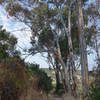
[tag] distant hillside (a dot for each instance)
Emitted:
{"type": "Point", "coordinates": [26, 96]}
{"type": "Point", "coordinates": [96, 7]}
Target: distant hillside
{"type": "Point", "coordinates": [51, 73]}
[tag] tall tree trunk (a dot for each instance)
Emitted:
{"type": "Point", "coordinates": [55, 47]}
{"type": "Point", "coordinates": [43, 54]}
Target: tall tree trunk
{"type": "Point", "coordinates": [68, 33]}
{"type": "Point", "coordinates": [57, 53]}
{"type": "Point", "coordinates": [57, 75]}
{"type": "Point", "coordinates": [57, 80]}
{"type": "Point", "coordinates": [68, 74]}
{"type": "Point", "coordinates": [83, 52]}
{"type": "Point", "coordinates": [65, 82]}
{"type": "Point", "coordinates": [72, 64]}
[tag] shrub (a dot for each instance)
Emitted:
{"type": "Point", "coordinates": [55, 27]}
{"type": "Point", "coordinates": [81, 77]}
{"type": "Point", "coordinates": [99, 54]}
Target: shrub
{"type": "Point", "coordinates": [45, 82]}
{"type": "Point", "coordinates": [94, 91]}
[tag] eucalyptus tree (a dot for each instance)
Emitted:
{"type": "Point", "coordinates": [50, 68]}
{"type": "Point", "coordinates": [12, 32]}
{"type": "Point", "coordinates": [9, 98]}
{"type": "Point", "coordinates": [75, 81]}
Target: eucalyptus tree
{"type": "Point", "coordinates": [83, 47]}
{"type": "Point", "coordinates": [67, 32]}
{"type": "Point", "coordinates": [83, 42]}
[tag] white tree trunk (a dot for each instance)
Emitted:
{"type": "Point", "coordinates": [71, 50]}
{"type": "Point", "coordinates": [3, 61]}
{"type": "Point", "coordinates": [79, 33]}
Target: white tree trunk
{"type": "Point", "coordinates": [68, 33]}
{"type": "Point", "coordinates": [83, 52]}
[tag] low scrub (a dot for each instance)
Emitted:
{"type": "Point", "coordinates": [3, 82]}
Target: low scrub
{"type": "Point", "coordinates": [94, 91]}
{"type": "Point", "coordinates": [45, 82]}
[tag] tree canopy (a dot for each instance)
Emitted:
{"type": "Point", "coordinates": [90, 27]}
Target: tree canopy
{"type": "Point", "coordinates": [7, 44]}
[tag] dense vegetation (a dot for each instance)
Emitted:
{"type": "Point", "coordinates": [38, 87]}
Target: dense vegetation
{"type": "Point", "coordinates": [7, 44]}
{"type": "Point", "coordinates": [94, 91]}
{"type": "Point", "coordinates": [43, 84]}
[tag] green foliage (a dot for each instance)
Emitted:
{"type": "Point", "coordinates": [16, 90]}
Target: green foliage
{"type": "Point", "coordinates": [64, 47]}
{"type": "Point", "coordinates": [45, 82]}
{"type": "Point", "coordinates": [60, 89]}
{"type": "Point", "coordinates": [46, 37]}
{"type": "Point", "coordinates": [7, 44]}
{"type": "Point", "coordinates": [94, 92]}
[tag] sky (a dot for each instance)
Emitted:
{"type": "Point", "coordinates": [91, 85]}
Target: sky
{"type": "Point", "coordinates": [24, 40]}
{"type": "Point", "coordinates": [23, 37]}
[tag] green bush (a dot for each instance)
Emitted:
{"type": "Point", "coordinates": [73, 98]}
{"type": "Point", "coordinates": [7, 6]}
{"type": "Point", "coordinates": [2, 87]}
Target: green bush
{"type": "Point", "coordinates": [94, 92]}
{"type": "Point", "coordinates": [45, 82]}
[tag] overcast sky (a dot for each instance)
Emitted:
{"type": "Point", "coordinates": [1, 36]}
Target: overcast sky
{"type": "Point", "coordinates": [24, 39]}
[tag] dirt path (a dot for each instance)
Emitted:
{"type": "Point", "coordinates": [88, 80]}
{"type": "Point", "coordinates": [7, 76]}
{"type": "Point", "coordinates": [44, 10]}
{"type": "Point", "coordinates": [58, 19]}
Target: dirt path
{"type": "Point", "coordinates": [57, 98]}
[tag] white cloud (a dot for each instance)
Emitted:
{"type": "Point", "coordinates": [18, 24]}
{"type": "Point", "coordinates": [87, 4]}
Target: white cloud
{"type": "Point", "coordinates": [23, 36]}
{"type": "Point", "coordinates": [3, 18]}
{"type": "Point", "coordinates": [12, 26]}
